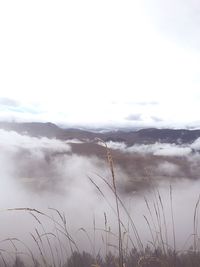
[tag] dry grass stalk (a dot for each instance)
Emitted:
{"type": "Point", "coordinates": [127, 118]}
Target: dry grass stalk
{"type": "Point", "coordinates": [195, 224]}
{"type": "Point", "coordinates": [138, 240]}
{"type": "Point", "coordinates": [172, 215]}
{"type": "Point", "coordinates": [110, 161]}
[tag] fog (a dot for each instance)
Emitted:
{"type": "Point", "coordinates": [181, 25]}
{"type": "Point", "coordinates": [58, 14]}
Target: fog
{"type": "Point", "coordinates": [162, 149]}
{"type": "Point", "coordinates": [42, 173]}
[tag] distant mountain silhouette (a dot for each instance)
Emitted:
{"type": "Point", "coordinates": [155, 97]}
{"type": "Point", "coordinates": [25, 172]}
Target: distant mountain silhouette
{"type": "Point", "coordinates": [143, 136]}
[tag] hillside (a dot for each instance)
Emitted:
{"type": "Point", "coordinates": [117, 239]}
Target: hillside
{"type": "Point", "coordinates": [143, 136]}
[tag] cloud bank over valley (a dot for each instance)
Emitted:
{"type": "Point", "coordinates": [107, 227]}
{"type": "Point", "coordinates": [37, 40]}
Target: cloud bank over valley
{"type": "Point", "coordinates": [43, 172]}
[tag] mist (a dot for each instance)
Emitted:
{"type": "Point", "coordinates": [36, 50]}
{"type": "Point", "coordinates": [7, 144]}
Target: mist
{"type": "Point", "coordinates": [42, 173]}
{"type": "Point", "coordinates": [162, 149]}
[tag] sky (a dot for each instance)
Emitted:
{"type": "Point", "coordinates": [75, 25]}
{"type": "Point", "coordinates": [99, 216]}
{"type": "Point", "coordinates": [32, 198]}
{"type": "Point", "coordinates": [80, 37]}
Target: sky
{"type": "Point", "coordinates": [101, 63]}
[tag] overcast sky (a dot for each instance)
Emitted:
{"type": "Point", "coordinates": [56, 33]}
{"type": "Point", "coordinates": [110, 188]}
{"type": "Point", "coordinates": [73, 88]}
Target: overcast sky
{"type": "Point", "coordinates": [101, 63]}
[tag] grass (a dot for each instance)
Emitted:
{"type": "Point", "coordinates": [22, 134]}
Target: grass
{"type": "Point", "coordinates": [58, 248]}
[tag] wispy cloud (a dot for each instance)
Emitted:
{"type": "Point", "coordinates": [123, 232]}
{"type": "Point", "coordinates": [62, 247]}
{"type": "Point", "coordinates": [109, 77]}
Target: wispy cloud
{"type": "Point", "coordinates": [16, 142]}
{"type": "Point", "coordinates": [8, 102]}
{"type": "Point", "coordinates": [156, 119]}
{"type": "Point", "coordinates": [159, 149]}
{"type": "Point", "coordinates": [134, 117]}
{"type": "Point", "coordinates": [14, 110]}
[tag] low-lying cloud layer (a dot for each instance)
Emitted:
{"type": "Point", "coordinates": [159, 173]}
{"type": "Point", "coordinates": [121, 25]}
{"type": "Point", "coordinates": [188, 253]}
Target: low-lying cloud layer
{"type": "Point", "coordinates": [159, 149]}
{"type": "Point", "coordinates": [41, 173]}
{"type": "Point", "coordinates": [16, 142]}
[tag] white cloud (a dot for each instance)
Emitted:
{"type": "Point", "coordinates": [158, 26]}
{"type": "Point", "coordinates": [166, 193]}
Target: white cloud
{"type": "Point", "coordinates": [161, 149]}
{"type": "Point", "coordinates": [116, 145]}
{"type": "Point", "coordinates": [172, 150]}
{"type": "Point", "coordinates": [158, 149]}
{"type": "Point", "coordinates": [15, 142]}
{"type": "Point", "coordinates": [168, 169]}
{"type": "Point", "coordinates": [76, 59]}
{"type": "Point", "coordinates": [196, 144]}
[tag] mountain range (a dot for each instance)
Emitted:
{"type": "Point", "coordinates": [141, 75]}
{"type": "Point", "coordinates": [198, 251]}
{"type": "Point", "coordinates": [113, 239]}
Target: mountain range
{"type": "Point", "coordinates": [130, 137]}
